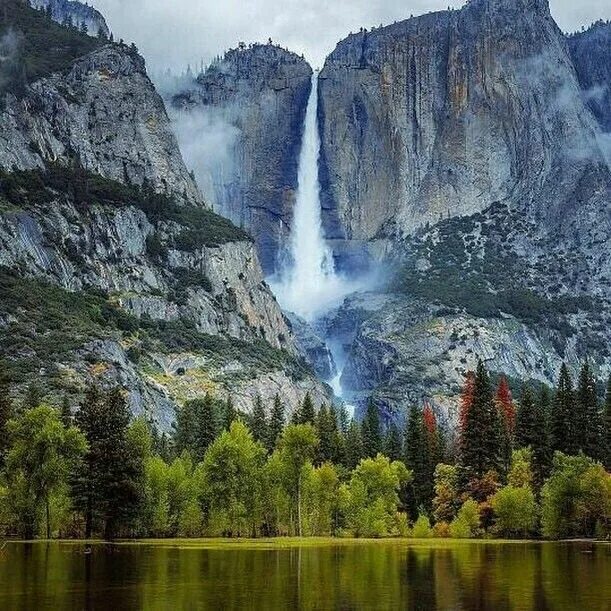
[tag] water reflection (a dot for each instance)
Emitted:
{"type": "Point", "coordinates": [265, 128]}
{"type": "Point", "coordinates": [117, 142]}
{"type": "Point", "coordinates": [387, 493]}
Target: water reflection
{"type": "Point", "coordinates": [380, 575]}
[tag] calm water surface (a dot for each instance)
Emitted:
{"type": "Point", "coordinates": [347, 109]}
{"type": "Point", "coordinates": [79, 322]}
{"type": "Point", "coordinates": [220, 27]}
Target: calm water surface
{"type": "Point", "coordinates": [376, 575]}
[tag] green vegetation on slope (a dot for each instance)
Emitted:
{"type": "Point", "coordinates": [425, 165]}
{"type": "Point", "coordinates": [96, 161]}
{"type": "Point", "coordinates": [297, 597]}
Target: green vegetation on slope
{"type": "Point", "coordinates": [471, 266]}
{"type": "Point", "coordinates": [35, 46]}
{"type": "Point", "coordinates": [46, 324]}
{"type": "Point", "coordinates": [31, 188]}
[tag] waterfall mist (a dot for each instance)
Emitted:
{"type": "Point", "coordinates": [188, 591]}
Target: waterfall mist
{"type": "Point", "coordinates": [308, 284]}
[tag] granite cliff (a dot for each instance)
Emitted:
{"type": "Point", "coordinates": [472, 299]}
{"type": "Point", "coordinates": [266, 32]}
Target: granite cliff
{"type": "Point", "coordinates": [112, 267]}
{"type": "Point", "coordinates": [253, 102]}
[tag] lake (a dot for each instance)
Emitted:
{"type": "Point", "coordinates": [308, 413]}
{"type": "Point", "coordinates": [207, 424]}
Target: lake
{"type": "Point", "coordinates": [282, 574]}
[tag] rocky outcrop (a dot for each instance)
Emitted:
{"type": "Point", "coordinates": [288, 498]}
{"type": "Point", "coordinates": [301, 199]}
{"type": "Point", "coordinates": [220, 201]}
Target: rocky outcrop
{"type": "Point", "coordinates": [591, 55]}
{"type": "Point", "coordinates": [406, 352]}
{"type": "Point", "coordinates": [251, 106]}
{"type": "Point", "coordinates": [76, 13]}
{"type": "Point", "coordinates": [111, 267]}
{"type": "Point", "coordinates": [313, 347]}
{"type": "Point", "coordinates": [105, 113]}
{"type": "Point", "coordinates": [444, 114]}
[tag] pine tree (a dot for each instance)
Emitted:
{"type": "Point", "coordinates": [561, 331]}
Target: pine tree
{"type": "Point", "coordinates": [434, 436]}
{"type": "Point", "coordinates": [480, 442]}
{"type": "Point", "coordinates": [276, 423]}
{"type": "Point", "coordinates": [466, 399]}
{"type": "Point", "coordinates": [66, 412]}
{"type": "Point", "coordinates": [258, 422]}
{"type": "Point", "coordinates": [196, 426]}
{"type": "Point", "coordinates": [353, 443]}
{"type": "Point", "coordinates": [105, 487]}
{"type": "Point", "coordinates": [343, 419]}
{"type": "Point", "coordinates": [588, 418]}
{"type": "Point", "coordinates": [526, 433]}
{"type": "Point", "coordinates": [6, 413]}
{"type": "Point", "coordinates": [505, 404]}
{"type": "Point", "coordinates": [393, 445]}
{"type": "Point", "coordinates": [306, 413]}
{"type": "Point", "coordinates": [532, 431]}
{"type": "Point", "coordinates": [328, 435]}
{"type": "Point", "coordinates": [418, 459]}
{"type": "Point", "coordinates": [371, 431]}
{"type": "Point", "coordinates": [229, 413]}
{"type": "Point", "coordinates": [563, 415]}
{"type": "Point", "coordinates": [33, 396]}
{"type": "Point", "coordinates": [507, 413]}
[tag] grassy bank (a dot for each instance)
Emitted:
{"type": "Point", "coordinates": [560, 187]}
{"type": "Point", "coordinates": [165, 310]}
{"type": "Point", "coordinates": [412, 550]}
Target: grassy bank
{"type": "Point", "coordinates": [279, 543]}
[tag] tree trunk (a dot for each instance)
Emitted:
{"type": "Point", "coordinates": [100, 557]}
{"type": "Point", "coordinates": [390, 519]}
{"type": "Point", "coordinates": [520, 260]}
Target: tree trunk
{"type": "Point", "coordinates": [48, 516]}
{"type": "Point", "coordinates": [299, 505]}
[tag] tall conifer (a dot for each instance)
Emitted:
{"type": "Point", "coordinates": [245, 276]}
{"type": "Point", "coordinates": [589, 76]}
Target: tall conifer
{"type": "Point", "coordinates": [563, 415]}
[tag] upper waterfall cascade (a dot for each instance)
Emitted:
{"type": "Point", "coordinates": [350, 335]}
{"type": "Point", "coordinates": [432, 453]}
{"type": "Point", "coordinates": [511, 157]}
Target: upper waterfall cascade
{"type": "Point", "coordinates": [308, 285]}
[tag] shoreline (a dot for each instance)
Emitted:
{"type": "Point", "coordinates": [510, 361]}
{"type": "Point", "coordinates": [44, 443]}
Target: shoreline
{"type": "Point", "coordinates": [280, 543]}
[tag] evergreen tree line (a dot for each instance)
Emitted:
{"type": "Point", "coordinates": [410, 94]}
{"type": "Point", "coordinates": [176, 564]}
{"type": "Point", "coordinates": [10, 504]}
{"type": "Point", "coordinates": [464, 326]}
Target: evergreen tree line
{"type": "Point", "coordinates": [531, 469]}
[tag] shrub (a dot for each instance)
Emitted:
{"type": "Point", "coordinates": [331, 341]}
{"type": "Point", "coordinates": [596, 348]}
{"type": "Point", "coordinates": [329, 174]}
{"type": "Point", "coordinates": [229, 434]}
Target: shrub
{"type": "Point", "coordinates": [422, 528]}
{"type": "Point", "coordinates": [467, 523]}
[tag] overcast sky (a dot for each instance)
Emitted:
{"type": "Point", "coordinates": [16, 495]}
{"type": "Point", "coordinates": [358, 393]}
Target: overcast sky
{"type": "Point", "coordinates": [171, 33]}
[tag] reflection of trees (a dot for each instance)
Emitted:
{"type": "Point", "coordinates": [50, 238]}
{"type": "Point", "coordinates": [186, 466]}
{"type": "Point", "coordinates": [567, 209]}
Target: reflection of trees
{"type": "Point", "coordinates": [362, 575]}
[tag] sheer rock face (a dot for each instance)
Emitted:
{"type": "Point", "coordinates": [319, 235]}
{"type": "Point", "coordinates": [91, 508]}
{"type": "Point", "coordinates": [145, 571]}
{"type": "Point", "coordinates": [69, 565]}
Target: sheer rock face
{"type": "Point", "coordinates": [445, 114]}
{"type": "Point", "coordinates": [253, 102]}
{"type": "Point", "coordinates": [77, 13]}
{"type": "Point", "coordinates": [591, 54]}
{"type": "Point", "coordinates": [106, 113]}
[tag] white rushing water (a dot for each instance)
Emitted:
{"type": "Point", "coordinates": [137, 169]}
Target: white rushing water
{"type": "Point", "coordinates": [309, 285]}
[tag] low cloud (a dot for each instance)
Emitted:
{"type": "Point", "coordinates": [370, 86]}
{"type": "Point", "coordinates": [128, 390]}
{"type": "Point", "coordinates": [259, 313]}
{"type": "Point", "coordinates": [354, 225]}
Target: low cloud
{"type": "Point", "coordinates": [172, 34]}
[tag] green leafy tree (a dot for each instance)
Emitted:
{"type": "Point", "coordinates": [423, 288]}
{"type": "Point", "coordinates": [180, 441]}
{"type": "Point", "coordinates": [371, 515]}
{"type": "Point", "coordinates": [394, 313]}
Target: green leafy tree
{"type": "Point", "coordinates": [42, 454]}
{"type": "Point", "coordinates": [258, 422]}
{"type": "Point", "coordinates": [576, 498]}
{"type": "Point", "coordinates": [370, 499]}
{"type": "Point", "coordinates": [563, 422]}
{"type": "Point", "coordinates": [297, 448]}
{"type": "Point", "coordinates": [321, 486]}
{"type": "Point", "coordinates": [446, 501]}
{"type": "Point", "coordinates": [422, 528]}
{"type": "Point", "coordinates": [515, 510]}
{"type": "Point", "coordinates": [480, 441]}
{"type": "Point", "coordinates": [232, 471]}
{"type": "Point", "coordinates": [371, 431]}
{"type": "Point", "coordinates": [276, 424]}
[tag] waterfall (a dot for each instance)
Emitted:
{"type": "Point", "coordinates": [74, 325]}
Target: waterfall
{"type": "Point", "coordinates": [308, 284]}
